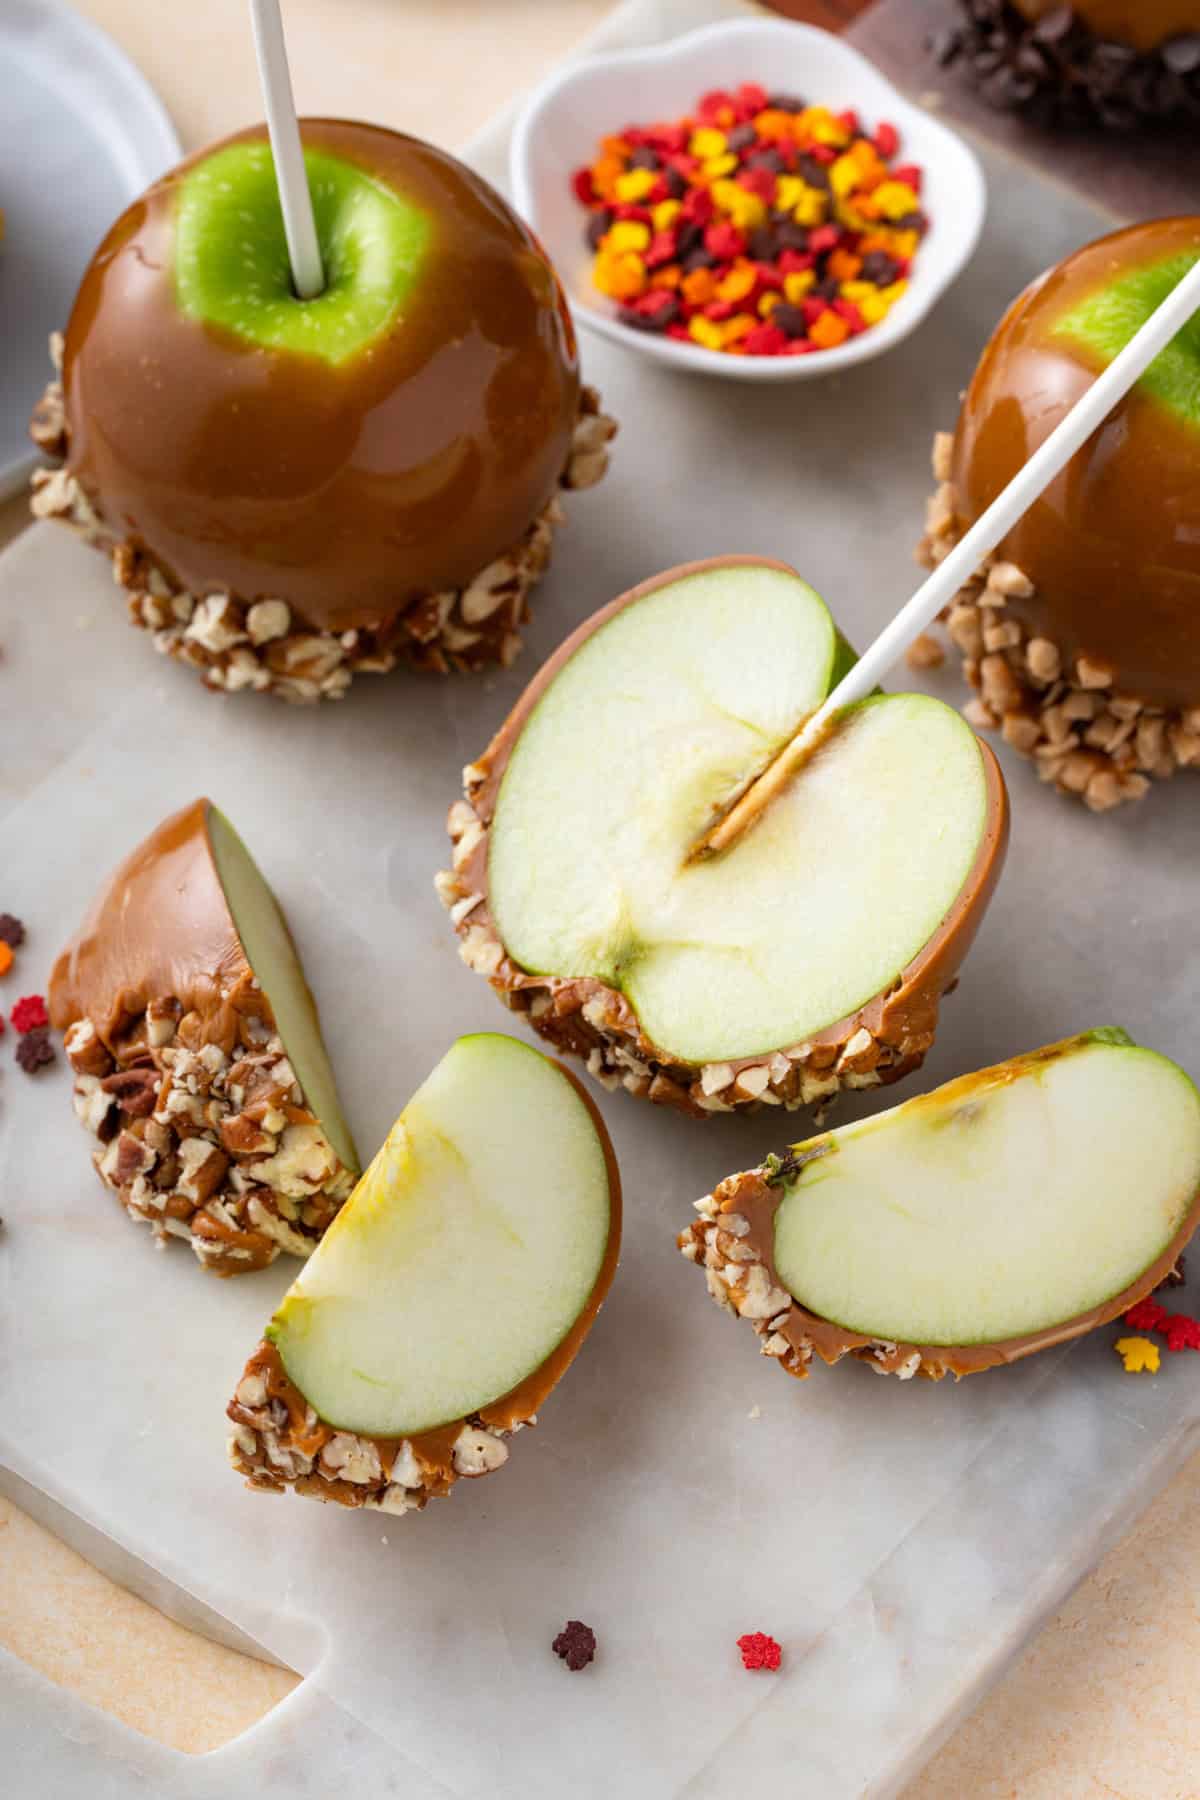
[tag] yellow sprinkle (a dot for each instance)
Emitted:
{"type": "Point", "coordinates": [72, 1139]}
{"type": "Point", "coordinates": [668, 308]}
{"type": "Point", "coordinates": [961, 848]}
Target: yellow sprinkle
{"type": "Point", "coordinates": [1138, 1354]}
{"type": "Point", "coordinates": [844, 175]}
{"type": "Point", "coordinates": [627, 234]}
{"type": "Point", "coordinates": [895, 198]}
{"type": "Point", "coordinates": [858, 290]}
{"type": "Point", "coordinates": [827, 131]}
{"type": "Point", "coordinates": [664, 214]}
{"type": "Point", "coordinates": [707, 141]}
{"type": "Point", "coordinates": [635, 184]}
{"type": "Point", "coordinates": [768, 303]}
{"type": "Point", "coordinates": [705, 331]}
{"type": "Point", "coordinates": [788, 190]}
{"type": "Point", "coordinates": [810, 208]}
{"type": "Point", "coordinates": [893, 293]}
{"type": "Point", "coordinates": [873, 308]}
{"type": "Point", "coordinates": [796, 286]}
{"type": "Point", "coordinates": [714, 166]}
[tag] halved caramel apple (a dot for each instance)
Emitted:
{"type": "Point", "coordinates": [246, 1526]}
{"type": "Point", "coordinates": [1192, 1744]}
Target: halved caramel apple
{"type": "Point", "coordinates": [1003, 1213]}
{"type": "Point", "coordinates": [198, 1058]}
{"type": "Point", "coordinates": [294, 490]}
{"type": "Point", "coordinates": [454, 1290]}
{"type": "Point", "coordinates": [809, 955]}
{"type": "Point", "coordinates": [1082, 634]}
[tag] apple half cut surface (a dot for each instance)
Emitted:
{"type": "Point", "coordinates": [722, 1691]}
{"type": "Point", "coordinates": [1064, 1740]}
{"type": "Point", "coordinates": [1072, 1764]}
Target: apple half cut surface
{"type": "Point", "coordinates": [197, 1052]}
{"type": "Point", "coordinates": [452, 1293]}
{"type": "Point", "coordinates": [1003, 1213]}
{"type": "Point", "coordinates": [812, 952]}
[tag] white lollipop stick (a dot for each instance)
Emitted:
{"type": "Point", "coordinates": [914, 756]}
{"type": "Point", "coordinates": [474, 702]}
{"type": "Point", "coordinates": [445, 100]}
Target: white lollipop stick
{"type": "Point", "coordinates": [989, 529]}
{"type": "Point", "coordinates": [304, 253]}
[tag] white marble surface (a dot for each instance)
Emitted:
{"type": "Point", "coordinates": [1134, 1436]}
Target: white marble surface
{"type": "Point", "coordinates": [902, 1540]}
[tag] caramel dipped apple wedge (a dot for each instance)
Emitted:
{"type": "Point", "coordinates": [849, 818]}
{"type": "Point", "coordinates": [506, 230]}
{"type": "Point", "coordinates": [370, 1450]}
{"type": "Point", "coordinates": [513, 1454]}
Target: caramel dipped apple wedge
{"type": "Point", "coordinates": [450, 1296]}
{"type": "Point", "coordinates": [1001, 1214]}
{"type": "Point", "coordinates": [199, 1063]}
{"type": "Point", "coordinates": [808, 955]}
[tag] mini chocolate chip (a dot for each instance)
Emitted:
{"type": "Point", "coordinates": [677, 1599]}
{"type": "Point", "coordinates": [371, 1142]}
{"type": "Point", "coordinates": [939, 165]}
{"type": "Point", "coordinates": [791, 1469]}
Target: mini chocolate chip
{"type": "Point", "coordinates": [814, 173]}
{"type": "Point", "coordinates": [35, 1050]}
{"type": "Point", "coordinates": [657, 321]}
{"type": "Point", "coordinates": [599, 224]}
{"type": "Point", "coordinates": [763, 243]}
{"type": "Point", "coordinates": [676, 184]}
{"type": "Point", "coordinates": [789, 319]}
{"type": "Point", "coordinates": [880, 268]}
{"type": "Point", "coordinates": [786, 103]}
{"type": "Point", "coordinates": [741, 138]}
{"type": "Point", "coordinates": [699, 259]}
{"type": "Point", "coordinates": [12, 932]}
{"type": "Point", "coordinates": [576, 1644]}
{"type": "Point", "coordinates": [793, 237]}
{"type": "Point", "coordinates": [645, 158]}
{"type": "Point", "coordinates": [767, 159]}
{"type": "Point", "coordinates": [688, 238]}
{"type": "Point", "coordinates": [828, 289]}
{"type": "Point", "coordinates": [912, 221]}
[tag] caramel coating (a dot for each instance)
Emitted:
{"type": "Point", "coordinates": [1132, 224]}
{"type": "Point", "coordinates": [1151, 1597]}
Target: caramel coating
{"type": "Point", "coordinates": [1113, 545]}
{"type": "Point", "coordinates": [348, 490]}
{"type": "Point", "coordinates": [1145, 24]}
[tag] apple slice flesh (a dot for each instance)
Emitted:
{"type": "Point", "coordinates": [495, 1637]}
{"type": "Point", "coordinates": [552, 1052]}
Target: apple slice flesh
{"type": "Point", "coordinates": [469, 1250]}
{"type": "Point", "coordinates": [272, 956]}
{"type": "Point", "coordinates": [645, 736]}
{"type": "Point", "coordinates": [1000, 1206]}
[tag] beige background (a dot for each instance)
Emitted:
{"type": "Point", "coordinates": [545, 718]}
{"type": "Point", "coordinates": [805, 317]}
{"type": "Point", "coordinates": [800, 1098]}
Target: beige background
{"type": "Point", "coordinates": [1103, 1706]}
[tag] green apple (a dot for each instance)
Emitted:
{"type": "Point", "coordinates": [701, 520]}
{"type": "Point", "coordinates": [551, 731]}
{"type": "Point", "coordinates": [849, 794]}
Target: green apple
{"type": "Point", "coordinates": [467, 1253]}
{"type": "Point", "coordinates": [1003, 1205]}
{"type": "Point", "coordinates": [642, 733]}
{"type": "Point", "coordinates": [271, 953]}
{"type": "Point", "coordinates": [1103, 322]}
{"type": "Point", "coordinates": [232, 265]}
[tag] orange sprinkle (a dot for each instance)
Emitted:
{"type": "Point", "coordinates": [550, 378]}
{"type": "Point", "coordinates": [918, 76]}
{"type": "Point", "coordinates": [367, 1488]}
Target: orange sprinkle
{"type": "Point", "coordinates": [699, 287]}
{"type": "Point", "coordinates": [738, 283]}
{"type": "Point", "coordinates": [6, 957]}
{"type": "Point", "coordinates": [829, 330]}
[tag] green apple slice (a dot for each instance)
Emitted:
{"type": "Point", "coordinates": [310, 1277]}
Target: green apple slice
{"type": "Point", "coordinates": [231, 256]}
{"type": "Point", "coordinates": [646, 735]}
{"type": "Point", "coordinates": [467, 1252]}
{"type": "Point", "coordinates": [271, 954]}
{"type": "Point", "coordinates": [999, 1206]}
{"type": "Point", "coordinates": [1105, 320]}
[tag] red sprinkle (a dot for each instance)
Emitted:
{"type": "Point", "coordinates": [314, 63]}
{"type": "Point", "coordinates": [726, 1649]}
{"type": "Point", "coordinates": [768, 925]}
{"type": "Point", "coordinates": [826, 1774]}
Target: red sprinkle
{"type": "Point", "coordinates": [887, 142]}
{"type": "Point", "coordinates": [30, 1013]}
{"type": "Point", "coordinates": [759, 1651]}
{"type": "Point", "coordinates": [1180, 1330]}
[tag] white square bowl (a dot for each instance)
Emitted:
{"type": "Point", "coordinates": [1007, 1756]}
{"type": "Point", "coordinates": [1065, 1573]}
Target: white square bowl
{"type": "Point", "coordinates": [565, 117]}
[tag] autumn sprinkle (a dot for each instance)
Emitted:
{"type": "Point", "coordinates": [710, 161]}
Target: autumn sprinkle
{"type": "Point", "coordinates": [756, 226]}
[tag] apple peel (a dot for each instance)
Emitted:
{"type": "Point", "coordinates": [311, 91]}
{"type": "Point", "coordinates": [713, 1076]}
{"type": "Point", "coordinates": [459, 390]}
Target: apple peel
{"type": "Point", "coordinates": [878, 1042]}
{"type": "Point", "coordinates": [737, 1237]}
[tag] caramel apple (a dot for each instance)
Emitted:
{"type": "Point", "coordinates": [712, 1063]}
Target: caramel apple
{"type": "Point", "coordinates": [1113, 63]}
{"type": "Point", "coordinates": [1006, 1212]}
{"type": "Point", "coordinates": [293, 490]}
{"type": "Point", "coordinates": [810, 953]}
{"type": "Point", "coordinates": [198, 1058]}
{"type": "Point", "coordinates": [1082, 634]}
{"type": "Point", "coordinates": [458, 1285]}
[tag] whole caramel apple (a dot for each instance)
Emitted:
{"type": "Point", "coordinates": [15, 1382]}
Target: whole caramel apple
{"type": "Point", "coordinates": [293, 489]}
{"type": "Point", "coordinates": [1083, 635]}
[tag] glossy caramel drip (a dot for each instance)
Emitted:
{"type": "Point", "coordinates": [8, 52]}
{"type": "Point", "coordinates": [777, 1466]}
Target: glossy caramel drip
{"type": "Point", "coordinates": [1113, 546]}
{"type": "Point", "coordinates": [346, 490]}
{"type": "Point", "coordinates": [160, 927]}
{"type": "Point", "coordinates": [1144, 24]}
